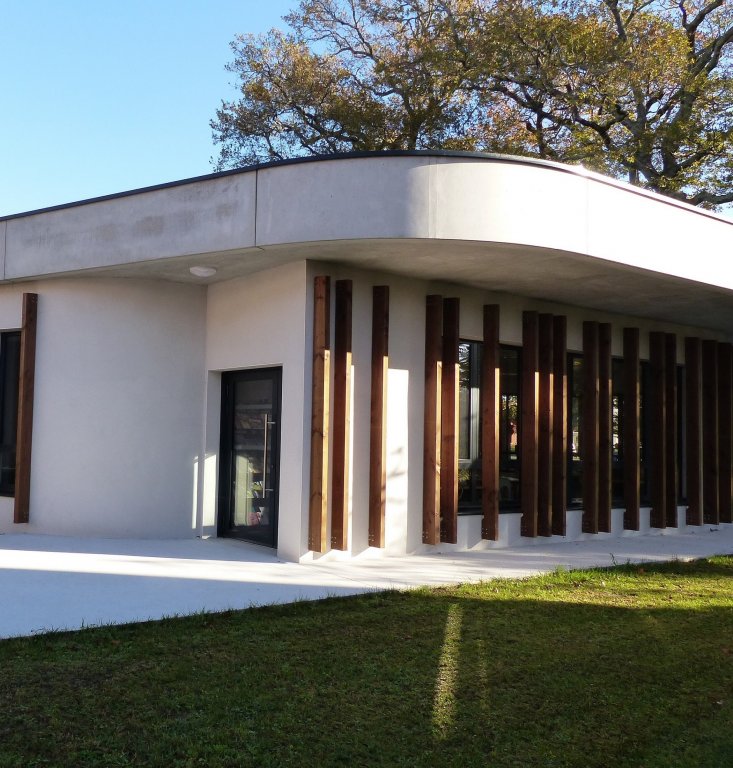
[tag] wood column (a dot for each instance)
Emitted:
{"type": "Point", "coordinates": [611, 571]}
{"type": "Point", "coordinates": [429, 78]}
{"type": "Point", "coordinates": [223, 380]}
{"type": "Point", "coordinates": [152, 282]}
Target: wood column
{"type": "Point", "coordinates": [318, 504]}
{"type": "Point", "coordinates": [710, 446]}
{"type": "Point", "coordinates": [378, 415]}
{"type": "Point", "coordinates": [528, 436]}
{"type": "Point", "coordinates": [26, 388]}
{"type": "Point", "coordinates": [725, 433]}
{"type": "Point", "coordinates": [670, 429]}
{"type": "Point", "coordinates": [693, 429]}
{"type": "Point", "coordinates": [341, 416]}
{"type": "Point", "coordinates": [658, 428]}
{"type": "Point", "coordinates": [631, 429]}
{"type": "Point", "coordinates": [589, 443]}
{"type": "Point", "coordinates": [605, 435]}
{"type": "Point", "coordinates": [431, 428]}
{"type": "Point", "coordinates": [449, 424]}
{"type": "Point", "coordinates": [545, 422]}
{"type": "Point", "coordinates": [559, 424]}
{"type": "Point", "coordinates": [490, 380]}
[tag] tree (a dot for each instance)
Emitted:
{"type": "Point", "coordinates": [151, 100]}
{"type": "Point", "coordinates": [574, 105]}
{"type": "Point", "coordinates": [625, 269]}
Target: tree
{"type": "Point", "coordinates": [638, 89]}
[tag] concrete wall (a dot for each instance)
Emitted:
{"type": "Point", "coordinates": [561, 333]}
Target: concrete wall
{"type": "Point", "coordinates": [117, 410]}
{"type": "Point", "coordinates": [259, 322]}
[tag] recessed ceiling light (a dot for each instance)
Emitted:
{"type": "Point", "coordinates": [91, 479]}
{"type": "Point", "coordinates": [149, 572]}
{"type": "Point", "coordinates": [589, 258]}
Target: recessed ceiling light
{"type": "Point", "coordinates": [202, 271]}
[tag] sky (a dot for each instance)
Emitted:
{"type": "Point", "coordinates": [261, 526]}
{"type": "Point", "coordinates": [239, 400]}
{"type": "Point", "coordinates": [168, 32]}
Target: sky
{"type": "Point", "coordinates": [101, 97]}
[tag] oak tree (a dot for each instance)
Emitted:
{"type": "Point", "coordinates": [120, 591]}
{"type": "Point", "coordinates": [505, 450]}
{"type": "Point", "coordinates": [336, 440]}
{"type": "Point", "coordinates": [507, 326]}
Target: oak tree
{"type": "Point", "coordinates": [638, 89]}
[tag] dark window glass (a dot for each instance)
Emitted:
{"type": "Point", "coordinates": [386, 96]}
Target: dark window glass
{"type": "Point", "coordinates": [681, 436]}
{"type": "Point", "coordinates": [9, 377]}
{"type": "Point", "coordinates": [644, 419]}
{"type": "Point", "coordinates": [575, 436]}
{"type": "Point", "coordinates": [469, 427]}
{"type": "Point", "coordinates": [617, 431]}
{"type": "Point", "coordinates": [469, 424]}
{"type": "Point", "coordinates": [509, 435]}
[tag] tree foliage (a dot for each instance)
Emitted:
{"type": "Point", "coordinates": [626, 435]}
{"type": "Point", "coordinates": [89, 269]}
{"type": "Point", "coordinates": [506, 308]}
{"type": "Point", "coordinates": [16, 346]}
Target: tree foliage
{"type": "Point", "coordinates": [638, 89]}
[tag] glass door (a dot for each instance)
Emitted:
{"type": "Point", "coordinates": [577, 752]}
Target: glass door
{"type": "Point", "coordinates": [250, 454]}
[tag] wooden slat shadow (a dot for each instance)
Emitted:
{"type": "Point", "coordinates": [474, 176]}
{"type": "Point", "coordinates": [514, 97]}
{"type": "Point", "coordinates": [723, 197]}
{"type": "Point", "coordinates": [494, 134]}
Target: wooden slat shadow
{"type": "Point", "coordinates": [490, 379]}
{"type": "Point", "coordinates": [26, 389]}
{"type": "Point", "coordinates": [341, 416]}
{"type": "Point", "coordinates": [431, 427]}
{"type": "Point", "coordinates": [378, 415]}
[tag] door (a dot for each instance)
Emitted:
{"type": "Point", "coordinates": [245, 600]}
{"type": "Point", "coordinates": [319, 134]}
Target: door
{"type": "Point", "coordinates": [250, 455]}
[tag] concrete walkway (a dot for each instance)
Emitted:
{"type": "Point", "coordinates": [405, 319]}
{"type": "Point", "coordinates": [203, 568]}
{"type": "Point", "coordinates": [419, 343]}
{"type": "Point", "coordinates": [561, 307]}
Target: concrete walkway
{"type": "Point", "coordinates": [53, 583]}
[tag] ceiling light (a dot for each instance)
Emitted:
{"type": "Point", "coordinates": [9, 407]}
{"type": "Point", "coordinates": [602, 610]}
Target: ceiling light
{"type": "Point", "coordinates": [202, 271]}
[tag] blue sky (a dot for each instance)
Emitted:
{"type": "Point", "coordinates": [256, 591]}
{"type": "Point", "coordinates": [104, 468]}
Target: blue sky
{"type": "Point", "coordinates": [99, 97]}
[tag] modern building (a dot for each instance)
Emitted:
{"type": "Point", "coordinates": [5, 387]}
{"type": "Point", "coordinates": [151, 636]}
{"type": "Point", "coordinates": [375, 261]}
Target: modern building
{"type": "Point", "coordinates": [382, 352]}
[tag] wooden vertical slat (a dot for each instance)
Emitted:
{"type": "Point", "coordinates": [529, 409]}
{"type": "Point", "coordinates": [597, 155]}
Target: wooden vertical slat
{"type": "Point", "coordinates": [693, 429]}
{"type": "Point", "coordinates": [320, 417]}
{"type": "Point", "coordinates": [589, 441]}
{"type": "Point", "coordinates": [26, 388]}
{"type": "Point", "coordinates": [631, 429]}
{"type": "Point", "coordinates": [528, 435]}
{"type": "Point", "coordinates": [560, 424]}
{"type": "Point", "coordinates": [431, 427]}
{"type": "Point", "coordinates": [341, 415]}
{"type": "Point", "coordinates": [710, 479]}
{"type": "Point", "coordinates": [449, 424]}
{"type": "Point", "coordinates": [605, 434]}
{"type": "Point", "coordinates": [725, 433]}
{"type": "Point", "coordinates": [378, 415]}
{"type": "Point", "coordinates": [670, 429]}
{"type": "Point", "coordinates": [658, 429]}
{"type": "Point", "coordinates": [490, 379]}
{"type": "Point", "coordinates": [545, 421]}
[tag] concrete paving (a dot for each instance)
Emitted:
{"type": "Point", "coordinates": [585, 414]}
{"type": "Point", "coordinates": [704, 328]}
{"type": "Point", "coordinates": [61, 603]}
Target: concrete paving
{"type": "Point", "coordinates": [52, 583]}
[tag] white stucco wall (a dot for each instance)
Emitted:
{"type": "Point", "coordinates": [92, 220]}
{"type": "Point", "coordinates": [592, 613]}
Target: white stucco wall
{"type": "Point", "coordinates": [117, 409]}
{"type": "Point", "coordinates": [255, 322]}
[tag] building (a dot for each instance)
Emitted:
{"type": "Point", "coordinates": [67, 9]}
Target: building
{"type": "Point", "coordinates": [400, 351]}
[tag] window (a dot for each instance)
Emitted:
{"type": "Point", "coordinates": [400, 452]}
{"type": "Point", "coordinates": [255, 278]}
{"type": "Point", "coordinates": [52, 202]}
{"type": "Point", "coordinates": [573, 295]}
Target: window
{"type": "Point", "coordinates": [9, 378]}
{"type": "Point", "coordinates": [469, 426]}
{"type": "Point", "coordinates": [575, 420]}
{"type": "Point", "coordinates": [617, 432]}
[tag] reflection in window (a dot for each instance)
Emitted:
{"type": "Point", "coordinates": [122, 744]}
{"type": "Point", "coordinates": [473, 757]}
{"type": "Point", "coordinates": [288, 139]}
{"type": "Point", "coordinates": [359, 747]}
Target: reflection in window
{"type": "Point", "coordinates": [509, 461]}
{"type": "Point", "coordinates": [9, 378]}
{"type": "Point", "coordinates": [617, 426]}
{"type": "Point", "coordinates": [469, 424]}
{"type": "Point", "coordinates": [575, 411]}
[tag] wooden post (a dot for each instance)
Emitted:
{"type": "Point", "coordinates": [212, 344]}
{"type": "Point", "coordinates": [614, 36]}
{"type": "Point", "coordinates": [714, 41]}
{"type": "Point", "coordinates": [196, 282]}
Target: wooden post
{"type": "Point", "coordinates": [710, 480]}
{"type": "Point", "coordinates": [693, 429]}
{"type": "Point", "coordinates": [545, 421]}
{"type": "Point", "coordinates": [318, 509]}
{"type": "Point", "coordinates": [631, 429]}
{"type": "Point", "coordinates": [431, 428]}
{"type": "Point", "coordinates": [490, 377]}
{"type": "Point", "coordinates": [378, 415]}
{"type": "Point", "coordinates": [449, 424]}
{"type": "Point", "coordinates": [560, 424]}
{"type": "Point", "coordinates": [670, 429]}
{"type": "Point", "coordinates": [528, 436]}
{"type": "Point", "coordinates": [605, 430]}
{"type": "Point", "coordinates": [341, 416]}
{"type": "Point", "coordinates": [658, 430]}
{"type": "Point", "coordinates": [26, 388]}
{"type": "Point", "coordinates": [725, 435]}
{"type": "Point", "coordinates": [589, 443]}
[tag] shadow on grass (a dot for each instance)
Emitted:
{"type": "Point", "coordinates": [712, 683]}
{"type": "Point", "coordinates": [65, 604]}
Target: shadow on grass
{"type": "Point", "coordinates": [475, 676]}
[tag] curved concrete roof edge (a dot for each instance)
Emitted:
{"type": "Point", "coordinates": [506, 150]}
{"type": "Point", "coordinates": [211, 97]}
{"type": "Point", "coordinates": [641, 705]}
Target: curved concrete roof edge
{"type": "Point", "coordinates": [576, 170]}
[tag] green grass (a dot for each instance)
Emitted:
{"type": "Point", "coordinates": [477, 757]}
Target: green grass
{"type": "Point", "coordinates": [631, 666]}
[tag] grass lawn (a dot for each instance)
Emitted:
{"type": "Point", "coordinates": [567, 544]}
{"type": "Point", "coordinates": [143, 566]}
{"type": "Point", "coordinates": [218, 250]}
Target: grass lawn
{"type": "Point", "coordinates": [631, 666]}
